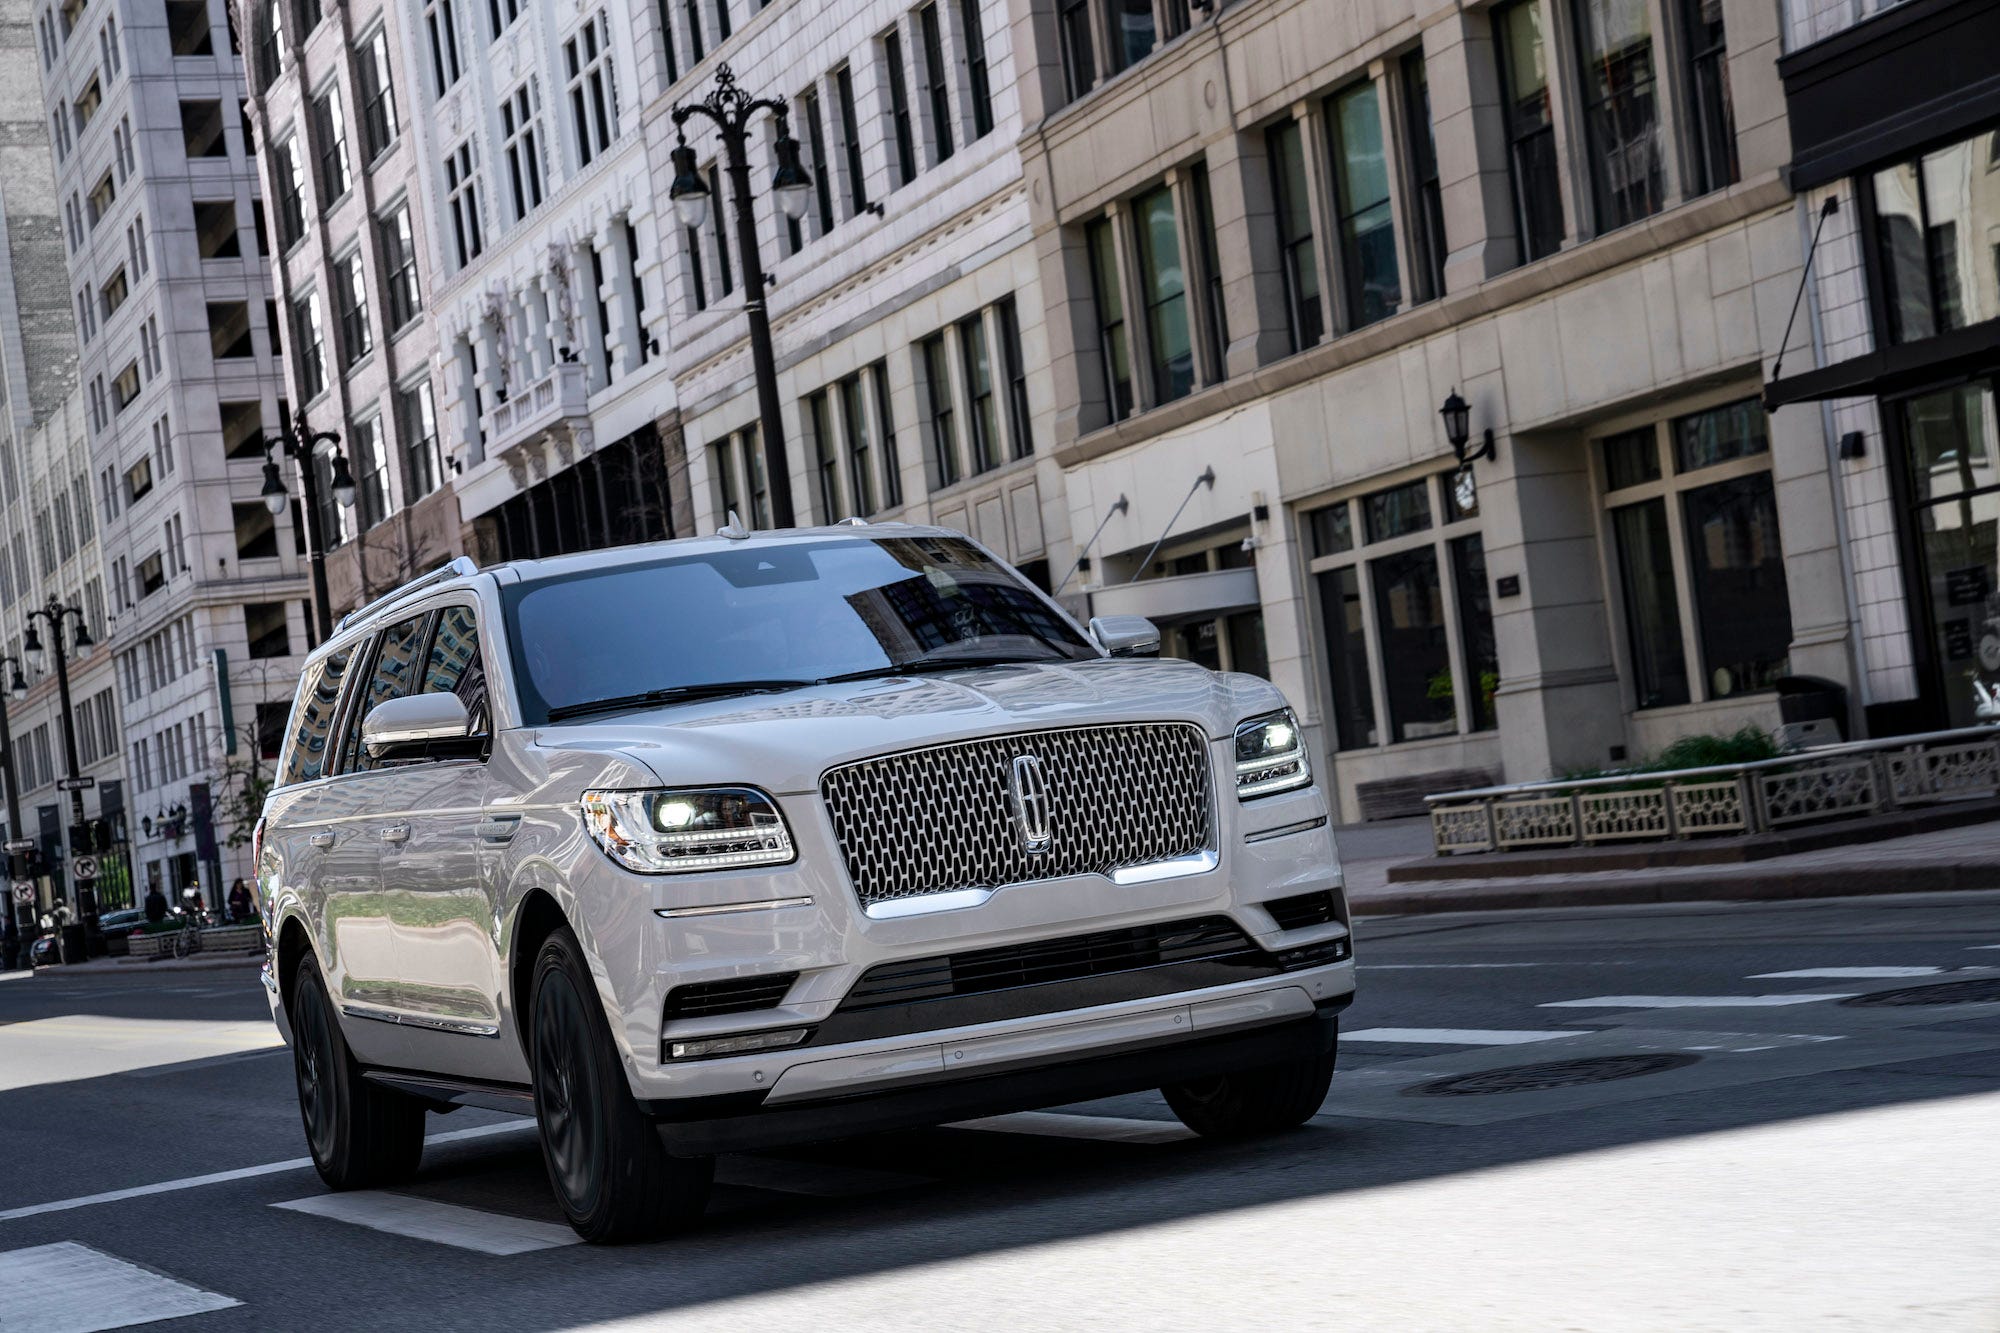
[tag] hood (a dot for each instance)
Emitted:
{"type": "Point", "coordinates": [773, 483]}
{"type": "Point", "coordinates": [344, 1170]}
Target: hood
{"type": "Point", "coordinates": [783, 742]}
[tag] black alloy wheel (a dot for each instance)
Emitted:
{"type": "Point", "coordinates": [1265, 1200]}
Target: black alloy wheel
{"type": "Point", "coordinates": [360, 1135]}
{"type": "Point", "coordinates": [612, 1175]}
{"type": "Point", "coordinates": [1253, 1102]}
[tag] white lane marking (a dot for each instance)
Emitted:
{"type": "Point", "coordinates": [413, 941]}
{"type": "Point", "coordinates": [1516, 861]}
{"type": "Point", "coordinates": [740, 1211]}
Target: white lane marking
{"type": "Point", "coordinates": [1691, 1001]}
{"type": "Point", "coordinates": [1983, 946]}
{"type": "Point", "coordinates": [825, 1180]}
{"type": "Point", "coordinates": [71, 1288]}
{"type": "Point", "coordinates": [1455, 1036]}
{"type": "Point", "coordinates": [1454, 967]}
{"type": "Point", "coordinates": [1849, 973]}
{"type": "Point", "coordinates": [1105, 1128]}
{"type": "Point", "coordinates": [442, 1223]}
{"type": "Point", "coordinates": [73, 1047]}
{"type": "Point", "coordinates": [241, 1173]}
{"type": "Point", "coordinates": [25, 974]}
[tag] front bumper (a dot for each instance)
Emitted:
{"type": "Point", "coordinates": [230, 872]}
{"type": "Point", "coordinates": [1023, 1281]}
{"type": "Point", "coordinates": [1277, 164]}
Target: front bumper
{"type": "Point", "coordinates": [748, 1122]}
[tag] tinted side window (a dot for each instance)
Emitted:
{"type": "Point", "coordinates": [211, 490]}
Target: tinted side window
{"type": "Point", "coordinates": [455, 667]}
{"type": "Point", "coordinates": [312, 720]}
{"type": "Point", "coordinates": [392, 675]}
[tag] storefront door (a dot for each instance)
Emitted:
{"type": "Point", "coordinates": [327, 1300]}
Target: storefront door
{"type": "Point", "coordinates": [1951, 456]}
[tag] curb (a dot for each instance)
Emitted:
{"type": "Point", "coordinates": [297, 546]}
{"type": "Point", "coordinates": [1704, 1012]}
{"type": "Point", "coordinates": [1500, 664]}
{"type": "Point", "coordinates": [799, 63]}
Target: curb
{"type": "Point", "coordinates": [1625, 890]}
{"type": "Point", "coordinates": [104, 967]}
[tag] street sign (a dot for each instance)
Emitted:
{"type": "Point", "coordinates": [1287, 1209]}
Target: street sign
{"type": "Point", "coordinates": [84, 783]}
{"type": "Point", "coordinates": [20, 844]}
{"type": "Point", "coordinates": [24, 891]}
{"type": "Point", "coordinates": [85, 867]}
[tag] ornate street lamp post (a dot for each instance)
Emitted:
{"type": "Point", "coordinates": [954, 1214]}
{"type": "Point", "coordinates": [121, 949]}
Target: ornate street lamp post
{"type": "Point", "coordinates": [53, 614]}
{"type": "Point", "coordinates": [17, 690]}
{"type": "Point", "coordinates": [730, 108]}
{"type": "Point", "coordinates": [301, 446]}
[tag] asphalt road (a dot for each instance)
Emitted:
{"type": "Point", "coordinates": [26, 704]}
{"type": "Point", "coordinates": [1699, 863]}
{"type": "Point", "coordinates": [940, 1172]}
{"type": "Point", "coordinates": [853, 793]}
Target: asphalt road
{"type": "Point", "coordinates": [1763, 1160]}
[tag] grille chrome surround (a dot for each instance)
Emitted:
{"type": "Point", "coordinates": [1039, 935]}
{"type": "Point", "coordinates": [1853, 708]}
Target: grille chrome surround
{"type": "Point", "coordinates": [943, 819]}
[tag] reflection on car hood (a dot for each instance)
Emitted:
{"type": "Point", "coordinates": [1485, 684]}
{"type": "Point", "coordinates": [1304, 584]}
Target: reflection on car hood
{"type": "Point", "coordinates": [783, 742]}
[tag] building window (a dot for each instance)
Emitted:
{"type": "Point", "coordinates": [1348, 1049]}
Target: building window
{"type": "Point", "coordinates": [462, 198]}
{"type": "Point", "coordinates": [937, 82]}
{"type": "Point", "coordinates": [357, 336]}
{"type": "Point", "coordinates": [87, 102]}
{"type": "Point", "coordinates": [112, 294]}
{"type": "Point", "coordinates": [375, 82]}
{"type": "Point", "coordinates": [697, 278]}
{"type": "Point", "coordinates": [330, 124]}
{"type": "Point", "coordinates": [1216, 353]}
{"type": "Point", "coordinates": [416, 424]}
{"type": "Point", "coordinates": [441, 24]}
{"type": "Point", "coordinates": [256, 531]}
{"type": "Point", "coordinates": [696, 50]}
{"type": "Point", "coordinates": [935, 369]}
{"type": "Point", "coordinates": [125, 387]}
{"type": "Point", "coordinates": [1133, 31]}
{"type": "Point", "coordinates": [740, 482]}
{"type": "Point", "coordinates": [1113, 352]}
{"type": "Point", "coordinates": [721, 20]}
{"type": "Point", "coordinates": [1013, 366]}
{"type": "Point", "coordinates": [100, 199]}
{"type": "Point", "coordinates": [902, 132]}
{"type": "Point", "coordinates": [152, 575]}
{"type": "Point", "coordinates": [243, 429]}
{"type": "Point", "coordinates": [980, 87]}
{"type": "Point", "coordinates": [371, 472]}
{"type": "Point", "coordinates": [290, 175]}
{"type": "Point", "coordinates": [1163, 286]}
{"type": "Point", "coordinates": [816, 141]}
{"type": "Point", "coordinates": [850, 142]}
{"type": "Point", "coordinates": [229, 329]}
{"type": "Point", "coordinates": [264, 625]}
{"type": "Point", "coordinates": [215, 229]}
{"type": "Point", "coordinates": [982, 416]}
{"type": "Point", "coordinates": [1620, 110]}
{"type": "Point", "coordinates": [1405, 612]}
{"type": "Point", "coordinates": [593, 92]}
{"type": "Point", "coordinates": [861, 461]}
{"type": "Point", "coordinates": [1712, 120]}
{"type": "Point", "coordinates": [1694, 523]}
{"type": "Point", "coordinates": [502, 13]}
{"type": "Point", "coordinates": [1937, 218]}
{"type": "Point", "coordinates": [308, 346]}
{"type": "Point", "coordinates": [1427, 205]}
{"type": "Point", "coordinates": [892, 466]}
{"type": "Point", "coordinates": [201, 129]}
{"type": "Point", "coordinates": [725, 275]}
{"type": "Point", "coordinates": [271, 48]}
{"type": "Point", "coordinates": [1079, 57]}
{"type": "Point", "coordinates": [1285, 146]}
{"type": "Point", "coordinates": [399, 262]}
{"type": "Point", "coordinates": [1531, 133]}
{"type": "Point", "coordinates": [1364, 223]}
{"type": "Point", "coordinates": [826, 455]}
{"type": "Point", "coordinates": [522, 144]}
{"type": "Point", "coordinates": [665, 9]}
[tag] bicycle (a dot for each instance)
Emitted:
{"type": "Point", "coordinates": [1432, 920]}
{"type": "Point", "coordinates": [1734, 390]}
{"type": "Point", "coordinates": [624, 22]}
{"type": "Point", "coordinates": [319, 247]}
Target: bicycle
{"type": "Point", "coordinates": [187, 941]}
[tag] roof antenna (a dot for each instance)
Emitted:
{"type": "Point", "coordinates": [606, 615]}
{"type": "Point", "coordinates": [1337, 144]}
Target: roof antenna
{"type": "Point", "coordinates": [733, 529]}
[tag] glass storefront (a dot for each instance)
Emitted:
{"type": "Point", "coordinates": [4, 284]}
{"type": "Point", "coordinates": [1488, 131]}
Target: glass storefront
{"type": "Point", "coordinates": [1951, 442]}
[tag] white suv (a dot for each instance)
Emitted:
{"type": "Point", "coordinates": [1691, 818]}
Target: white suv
{"type": "Point", "coordinates": [747, 840]}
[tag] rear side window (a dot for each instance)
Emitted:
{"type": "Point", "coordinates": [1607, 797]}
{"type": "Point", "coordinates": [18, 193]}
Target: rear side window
{"type": "Point", "coordinates": [392, 675]}
{"type": "Point", "coordinates": [312, 720]}
{"type": "Point", "coordinates": [454, 666]}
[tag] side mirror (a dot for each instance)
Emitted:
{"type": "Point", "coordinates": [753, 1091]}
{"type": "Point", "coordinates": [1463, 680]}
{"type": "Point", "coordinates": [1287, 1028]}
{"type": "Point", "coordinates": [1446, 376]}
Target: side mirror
{"type": "Point", "coordinates": [1126, 636]}
{"type": "Point", "coordinates": [417, 726]}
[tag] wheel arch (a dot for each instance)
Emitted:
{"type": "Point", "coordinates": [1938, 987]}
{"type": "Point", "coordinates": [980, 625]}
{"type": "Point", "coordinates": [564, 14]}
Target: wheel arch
{"type": "Point", "coordinates": [538, 917]}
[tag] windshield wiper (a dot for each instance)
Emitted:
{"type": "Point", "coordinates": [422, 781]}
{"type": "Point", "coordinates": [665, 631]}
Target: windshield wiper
{"type": "Point", "coordinates": [934, 664]}
{"type": "Point", "coordinates": [675, 694]}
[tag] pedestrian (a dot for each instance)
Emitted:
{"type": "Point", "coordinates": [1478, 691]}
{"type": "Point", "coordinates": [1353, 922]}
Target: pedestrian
{"type": "Point", "coordinates": [241, 908]}
{"type": "Point", "coordinates": [156, 905]}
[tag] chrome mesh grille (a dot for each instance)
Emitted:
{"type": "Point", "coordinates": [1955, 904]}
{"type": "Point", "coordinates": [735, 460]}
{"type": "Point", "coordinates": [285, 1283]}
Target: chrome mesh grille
{"type": "Point", "coordinates": [940, 819]}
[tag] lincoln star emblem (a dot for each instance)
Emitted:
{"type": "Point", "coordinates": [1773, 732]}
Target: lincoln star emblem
{"type": "Point", "coordinates": [1030, 789]}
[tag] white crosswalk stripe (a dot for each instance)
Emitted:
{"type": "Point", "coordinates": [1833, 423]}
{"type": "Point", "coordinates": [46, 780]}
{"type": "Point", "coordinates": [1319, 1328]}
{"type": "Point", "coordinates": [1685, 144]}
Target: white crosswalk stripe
{"type": "Point", "coordinates": [1452, 1036]}
{"type": "Point", "coordinates": [442, 1223]}
{"type": "Point", "coordinates": [1693, 1001]}
{"type": "Point", "coordinates": [71, 1288]}
{"type": "Point", "coordinates": [1847, 973]}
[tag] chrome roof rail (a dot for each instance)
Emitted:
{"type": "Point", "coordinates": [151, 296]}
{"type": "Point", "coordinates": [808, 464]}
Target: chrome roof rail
{"type": "Point", "coordinates": [458, 567]}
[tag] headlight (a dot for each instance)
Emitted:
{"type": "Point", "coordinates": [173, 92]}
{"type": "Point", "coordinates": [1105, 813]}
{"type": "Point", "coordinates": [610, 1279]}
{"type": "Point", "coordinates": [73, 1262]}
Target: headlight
{"type": "Point", "coordinates": [674, 832]}
{"type": "Point", "coordinates": [1271, 755]}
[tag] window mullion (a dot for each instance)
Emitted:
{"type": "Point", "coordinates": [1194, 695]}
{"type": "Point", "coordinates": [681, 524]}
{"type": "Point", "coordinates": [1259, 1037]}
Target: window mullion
{"type": "Point", "coordinates": [1194, 280]}
{"type": "Point", "coordinates": [1316, 152]}
{"type": "Point", "coordinates": [1131, 283]}
{"type": "Point", "coordinates": [1677, 543]}
{"type": "Point", "coordinates": [1562, 49]}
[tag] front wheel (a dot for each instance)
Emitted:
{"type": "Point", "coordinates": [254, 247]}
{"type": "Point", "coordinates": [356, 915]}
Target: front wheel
{"type": "Point", "coordinates": [614, 1178]}
{"type": "Point", "coordinates": [1253, 1102]}
{"type": "Point", "coordinates": [360, 1135]}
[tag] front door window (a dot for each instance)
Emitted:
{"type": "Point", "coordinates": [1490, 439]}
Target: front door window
{"type": "Point", "coordinates": [1952, 442]}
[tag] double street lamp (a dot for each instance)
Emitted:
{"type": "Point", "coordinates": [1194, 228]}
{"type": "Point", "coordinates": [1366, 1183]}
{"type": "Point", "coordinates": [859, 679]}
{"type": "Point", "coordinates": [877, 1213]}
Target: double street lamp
{"type": "Point", "coordinates": [56, 616]}
{"type": "Point", "coordinates": [730, 109]}
{"type": "Point", "coordinates": [303, 446]}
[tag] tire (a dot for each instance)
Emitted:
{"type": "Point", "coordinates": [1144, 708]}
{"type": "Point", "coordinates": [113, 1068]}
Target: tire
{"type": "Point", "coordinates": [360, 1135]}
{"type": "Point", "coordinates": [1253, 1102]}
{"type": "Point", "coordinates": [610, 1171]}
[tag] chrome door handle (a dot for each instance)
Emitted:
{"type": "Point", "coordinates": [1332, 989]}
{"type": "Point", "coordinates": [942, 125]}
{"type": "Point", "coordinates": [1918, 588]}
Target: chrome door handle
{"type": "Point", "coordinates": [499, 828]}
{"type": "Point", "coordinates": [396, 833]}
{"type": "Point", "coordinates": [321, 840]}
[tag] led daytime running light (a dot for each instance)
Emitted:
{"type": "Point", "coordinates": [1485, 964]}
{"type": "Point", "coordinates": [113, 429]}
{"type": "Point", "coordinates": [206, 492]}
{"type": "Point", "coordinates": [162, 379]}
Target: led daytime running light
{"type": "Point", "coordinates": [677, 832]}
{"type": "Point", "coordinates": [1271, 756]}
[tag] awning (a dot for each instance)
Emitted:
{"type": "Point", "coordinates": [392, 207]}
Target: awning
{"type": "Point", "coordinates": [1893, 370]}
{"type": "Point", "coordinates": [1180, 598]}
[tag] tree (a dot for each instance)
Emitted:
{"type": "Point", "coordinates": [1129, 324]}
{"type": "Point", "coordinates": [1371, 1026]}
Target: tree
{"type": "Point", "coordinates": [243, 780]}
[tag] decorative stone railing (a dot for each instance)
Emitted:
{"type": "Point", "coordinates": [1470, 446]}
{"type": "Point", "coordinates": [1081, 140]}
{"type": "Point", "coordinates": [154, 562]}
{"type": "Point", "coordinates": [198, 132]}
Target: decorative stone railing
{"type": "Point", "coordinates": [1832, 782]}
{"type": "Point", "coordinates": [215, 939]}
{"type": "Point", "coordinates": [561, 394]}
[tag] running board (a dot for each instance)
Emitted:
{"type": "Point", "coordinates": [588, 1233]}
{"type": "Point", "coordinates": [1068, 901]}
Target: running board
{"type": "Point", "coordinates": [511, 1098]}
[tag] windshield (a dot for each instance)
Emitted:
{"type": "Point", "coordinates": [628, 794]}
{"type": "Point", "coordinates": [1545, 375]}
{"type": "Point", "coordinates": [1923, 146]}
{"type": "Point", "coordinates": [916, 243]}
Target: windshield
{"type": "Point", "coordinates": [772, 615]}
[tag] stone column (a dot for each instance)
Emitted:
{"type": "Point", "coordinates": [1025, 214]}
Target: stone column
{"type": "Point", "coordinates": [1246, 247]}
{"type": "Point", "coordinates": [1468, 123]}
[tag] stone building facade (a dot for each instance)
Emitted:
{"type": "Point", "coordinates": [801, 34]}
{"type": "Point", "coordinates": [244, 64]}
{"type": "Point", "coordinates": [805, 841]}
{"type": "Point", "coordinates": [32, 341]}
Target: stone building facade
{"type": "Point", "coordinates": [1276, 236]}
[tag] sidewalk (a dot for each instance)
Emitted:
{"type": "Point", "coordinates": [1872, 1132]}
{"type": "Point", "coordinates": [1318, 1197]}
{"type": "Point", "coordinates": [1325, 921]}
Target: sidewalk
{"type": "Point", "coordinates": [143, 967]}
{"type": "Point", "coordinates": [1944, 859]}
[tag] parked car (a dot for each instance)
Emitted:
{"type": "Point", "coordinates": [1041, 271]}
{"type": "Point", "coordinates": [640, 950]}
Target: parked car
{"type": "Point", "coordinates": [749, 840]}
{"type": "Point", "coordinates": [46, 951]}
{"type": "Point", "coordinates": [121, 923]}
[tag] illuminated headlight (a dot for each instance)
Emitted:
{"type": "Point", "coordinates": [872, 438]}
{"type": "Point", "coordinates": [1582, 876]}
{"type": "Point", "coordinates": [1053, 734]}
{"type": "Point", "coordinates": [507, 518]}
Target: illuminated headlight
{"type": "Point", "coordinates": [741, 1043]}
{"type": "Point", "coordinates": [1271, 755]}
{"type": "Point", "coordinates": [675, 832]}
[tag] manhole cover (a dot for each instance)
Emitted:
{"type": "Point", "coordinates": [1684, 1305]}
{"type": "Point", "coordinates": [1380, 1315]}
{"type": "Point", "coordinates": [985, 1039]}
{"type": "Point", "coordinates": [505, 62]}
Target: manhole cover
{"type": "Point", "coordinates": [1980, 990]}
{"type": "Point", "coordinates": [1552, 1074]}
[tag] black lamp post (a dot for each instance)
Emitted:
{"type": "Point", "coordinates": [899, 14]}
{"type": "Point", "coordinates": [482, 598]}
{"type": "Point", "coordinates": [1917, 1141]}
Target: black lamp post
{"type": "Point", "coordinates": [53, 614]}
{"type": "Point", "coordinates": [1457, 414]}
{"type": "Point", "coordinates": [730, 108]}
{"type": "Point", "coordinates": [17, 690]}
{"type": "Point", "coordinates": [300, 446]}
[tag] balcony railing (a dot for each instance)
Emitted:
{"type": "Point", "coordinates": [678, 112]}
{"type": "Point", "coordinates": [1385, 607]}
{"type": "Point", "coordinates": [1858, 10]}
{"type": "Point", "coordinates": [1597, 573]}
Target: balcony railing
{"type": "Point", "coordinates": [549, 402]}
{"type": "Point", "coordinates": [1832, 782]}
